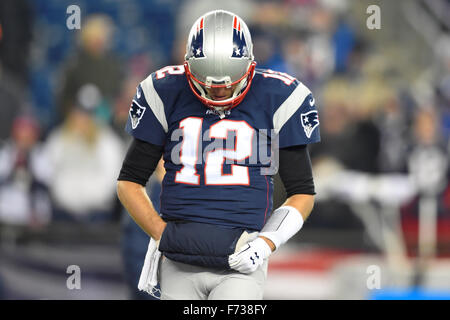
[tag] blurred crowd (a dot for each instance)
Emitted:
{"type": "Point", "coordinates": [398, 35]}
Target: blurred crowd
{"type": "Point", "coordinates": [383, 97]}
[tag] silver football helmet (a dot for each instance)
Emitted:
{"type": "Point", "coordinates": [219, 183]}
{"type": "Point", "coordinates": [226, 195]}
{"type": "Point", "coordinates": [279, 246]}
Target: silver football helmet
{"type": "Point", "coordinates": [219, 54]}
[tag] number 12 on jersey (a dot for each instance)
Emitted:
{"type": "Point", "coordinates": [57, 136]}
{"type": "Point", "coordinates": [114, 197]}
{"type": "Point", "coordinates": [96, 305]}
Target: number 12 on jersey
{"type": "Point", "coordinates": [214, 159]}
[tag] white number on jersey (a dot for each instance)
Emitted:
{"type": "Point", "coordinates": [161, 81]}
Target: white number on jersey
{"type": "Point", "coordinates": [287, 79]}
{"type": "Point", "coordinates": [214, 159]}
{"type": "Point", "coordinates": [161, 73]}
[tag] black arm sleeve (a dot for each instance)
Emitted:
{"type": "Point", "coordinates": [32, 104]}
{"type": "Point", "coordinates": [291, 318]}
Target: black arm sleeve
{"type": "Point", "coordinates": [295, 170]}
{"type": "Point", "coordinates": [140, 162]}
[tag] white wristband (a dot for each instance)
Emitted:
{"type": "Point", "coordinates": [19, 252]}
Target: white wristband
{"type": "Point", "coordinates": [282, 225]}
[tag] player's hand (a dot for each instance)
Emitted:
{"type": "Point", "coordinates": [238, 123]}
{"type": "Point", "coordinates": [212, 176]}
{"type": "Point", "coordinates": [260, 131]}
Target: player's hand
{"type": "Point", "coordinates": [250, 256]}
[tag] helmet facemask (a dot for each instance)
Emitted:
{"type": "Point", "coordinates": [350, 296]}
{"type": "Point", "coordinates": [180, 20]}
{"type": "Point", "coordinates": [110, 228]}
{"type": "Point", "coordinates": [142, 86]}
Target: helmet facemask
{"type": "Point", "coordinates": [240, 89]}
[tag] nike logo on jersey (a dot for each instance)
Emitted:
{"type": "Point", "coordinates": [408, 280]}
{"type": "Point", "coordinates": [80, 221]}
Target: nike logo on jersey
{"type": "Point", "coordinates": [312, 101]}
{"type": "Point", "coordinates": [221, 114]}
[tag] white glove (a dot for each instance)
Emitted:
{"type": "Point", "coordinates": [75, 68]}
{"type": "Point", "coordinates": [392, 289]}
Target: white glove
{"type": "Point", "coordinates": [250, 256]}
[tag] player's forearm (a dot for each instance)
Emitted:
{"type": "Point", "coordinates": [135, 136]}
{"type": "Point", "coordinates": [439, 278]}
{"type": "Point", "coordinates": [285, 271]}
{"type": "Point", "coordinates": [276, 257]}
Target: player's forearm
{"type": "Point", "coordinates": [135, 199]}
{"type": "Point", "coordinates": [304, 203]}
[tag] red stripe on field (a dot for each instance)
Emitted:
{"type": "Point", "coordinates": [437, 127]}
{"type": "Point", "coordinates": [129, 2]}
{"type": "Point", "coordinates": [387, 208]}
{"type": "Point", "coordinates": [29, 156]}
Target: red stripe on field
{"type": "Point", "coordinates": [321, 260]}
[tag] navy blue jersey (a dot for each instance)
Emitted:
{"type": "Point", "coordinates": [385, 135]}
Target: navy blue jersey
{"type": "Point", "coordinates": [216, 163]}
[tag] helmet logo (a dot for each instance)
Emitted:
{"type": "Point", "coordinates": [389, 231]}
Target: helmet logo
{"type": "Point", "coordinates": [240, 49]}
{"type": "Point", "coordinates": [196, 49]}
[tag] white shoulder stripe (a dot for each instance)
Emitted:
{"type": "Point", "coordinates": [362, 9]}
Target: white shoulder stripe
{"type": "Point", "coordinates": [135, 101]}
{"type": "Point", "coordinates": [154, 101]}
{"type": "Point", "coordinates": [290, 106]}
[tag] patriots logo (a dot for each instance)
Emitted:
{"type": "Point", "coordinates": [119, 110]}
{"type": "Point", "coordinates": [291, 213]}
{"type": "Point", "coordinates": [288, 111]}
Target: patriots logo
{"type": "Point", "coordinates": [309, 120]}
{"type": "Point", "coordinates": [196, 49]}
{"type": "Point", "coordinates": [240, 48]}
{"type": "Point", "coordinates": [136, 113]}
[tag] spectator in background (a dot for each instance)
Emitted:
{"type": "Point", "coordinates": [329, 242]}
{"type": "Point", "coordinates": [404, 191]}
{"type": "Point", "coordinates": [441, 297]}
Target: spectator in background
{"type": "Point", "coordinates": [15, 38]}
{"type": "Point", "coordinates": [16, 23]}
{"type": "Point", "coordinates": [443, 83]}
{"type": "Point", "coordinates": [122, 107]}
{"type": "Point", "coordinates": [393, 124]}
{"type": "Point", "coordinates": [138, 68]}
{"type": "Point", "coordinates": [350, 141]}
{"type": "Point", "coordinates": [24, 176]}
{"type": "Point", "coordinates": [350, 134]}
{"type": "Point", "coordinates": [93, 64]}
{"type": "Point", "coordinates": [307, 47]}
{"type": "Point", "coordinates": [428, 160]}
{"type": "Point", "coordinates": [266, 47]}
{"type": "Point", "coordinates": [11, 104]}
{"type": "Point", "coordinates": [344, 43]}
{"type": "Point", "coordinates": [428, 167]}
{"type": "Point", "coordinates": [86, 156]}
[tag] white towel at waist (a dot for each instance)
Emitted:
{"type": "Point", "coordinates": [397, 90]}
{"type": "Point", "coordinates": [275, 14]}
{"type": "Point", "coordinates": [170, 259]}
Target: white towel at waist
{"type": "Point", "coordinates": [149, 274]}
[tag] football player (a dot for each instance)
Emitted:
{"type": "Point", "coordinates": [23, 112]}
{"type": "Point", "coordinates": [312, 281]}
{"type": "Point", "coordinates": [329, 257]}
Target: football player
{"type": "Point", "coordinates": [214, 120]}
